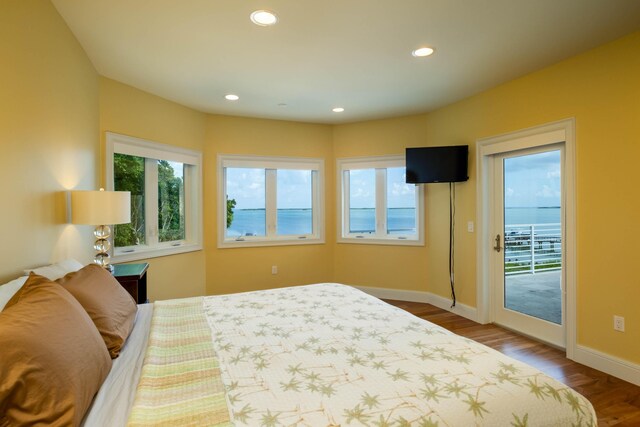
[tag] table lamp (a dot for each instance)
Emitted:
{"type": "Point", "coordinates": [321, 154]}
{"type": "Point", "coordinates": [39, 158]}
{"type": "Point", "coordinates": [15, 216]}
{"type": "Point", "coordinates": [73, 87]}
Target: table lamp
{"type": "Point", "coordinates": [101, 208]}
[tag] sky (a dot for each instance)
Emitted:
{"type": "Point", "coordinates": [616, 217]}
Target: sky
{"type": "Point", "coordinates": [532, 180]}
{"type": "Point", "coordinates": [178, 169]}
{"type": "Point", "coordinates": [399, 193]}
{"type": "Point", "coordinates": [247, 187]}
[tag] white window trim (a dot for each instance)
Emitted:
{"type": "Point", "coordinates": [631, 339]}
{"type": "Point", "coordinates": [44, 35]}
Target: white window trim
{"type": "Point", "coordinates": [342, 203]}
{"type": "Point", "coordinates": [271, 164]}
{"type": "Point", "coordinates": [124, 144]}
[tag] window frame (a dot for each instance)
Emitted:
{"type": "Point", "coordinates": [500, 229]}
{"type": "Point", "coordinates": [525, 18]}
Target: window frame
{"type": "Point", "coordinates": [271, 165]}
{"type": "Point", "coordinates": [152, 152]}
{"type": "Point", "coordinates": [380, 237]}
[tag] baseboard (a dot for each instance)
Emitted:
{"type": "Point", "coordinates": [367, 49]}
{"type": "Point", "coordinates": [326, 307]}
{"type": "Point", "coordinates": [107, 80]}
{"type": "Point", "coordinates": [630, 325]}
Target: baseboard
{"type": "Point", "coordinates": [425, 297]}
{"type": "Point", "coordinates": [607, 363]}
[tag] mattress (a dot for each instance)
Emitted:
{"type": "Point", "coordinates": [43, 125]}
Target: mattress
{"type": "Point", "coordinates": [329, 354]}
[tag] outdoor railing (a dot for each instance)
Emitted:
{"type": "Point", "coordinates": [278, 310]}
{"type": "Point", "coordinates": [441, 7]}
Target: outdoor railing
{"type": "Point", "coordinates": [532, 248]}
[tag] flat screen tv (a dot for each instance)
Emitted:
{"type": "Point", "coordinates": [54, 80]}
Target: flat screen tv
{"type": "Point", "coordinates": [437, 164]}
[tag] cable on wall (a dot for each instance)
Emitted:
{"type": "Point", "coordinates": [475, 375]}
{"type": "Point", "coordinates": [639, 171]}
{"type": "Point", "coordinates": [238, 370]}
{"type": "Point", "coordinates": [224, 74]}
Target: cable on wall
{"type": "Point", "coordinates": [452, 226]}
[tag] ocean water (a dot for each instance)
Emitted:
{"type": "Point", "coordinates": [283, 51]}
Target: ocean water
{"type": "Point", "coordinates": [399, 220]}
{"type": "Point", "coordinates": [514, 216]}
{"type": "Point", "coordinates": [299, 221]}
{"type": "Point", "coordinates": [251, 222]}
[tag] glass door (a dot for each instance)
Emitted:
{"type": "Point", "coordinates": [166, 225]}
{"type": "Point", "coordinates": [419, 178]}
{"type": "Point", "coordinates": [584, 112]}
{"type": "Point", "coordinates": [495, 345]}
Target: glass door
{"type": "Point", "coordinates": [527, 245]}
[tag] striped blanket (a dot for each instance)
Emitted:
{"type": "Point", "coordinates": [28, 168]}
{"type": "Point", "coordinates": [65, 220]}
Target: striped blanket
{"type": "Point", "coordinates": [180, 383]}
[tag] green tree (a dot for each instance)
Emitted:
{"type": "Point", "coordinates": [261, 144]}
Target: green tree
{"type": "Point", "coordinates": [231, 204]}
{"type": "Point", "coordinates": [129, 176]}
{"type": "Point", "coordinates": [170, 203]}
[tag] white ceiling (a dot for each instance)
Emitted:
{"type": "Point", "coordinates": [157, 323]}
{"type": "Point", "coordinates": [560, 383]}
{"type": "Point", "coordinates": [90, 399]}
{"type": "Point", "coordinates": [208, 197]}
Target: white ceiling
{"type": "Point", "coordinates": [350, 53]}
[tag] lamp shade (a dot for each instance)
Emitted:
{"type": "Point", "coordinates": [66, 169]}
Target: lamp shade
{"type": "Point", "coordinates": [100, 207]}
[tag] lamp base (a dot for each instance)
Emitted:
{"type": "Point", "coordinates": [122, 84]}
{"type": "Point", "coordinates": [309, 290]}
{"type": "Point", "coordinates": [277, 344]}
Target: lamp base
{"type": "Point", "coordinates": [102, 247]}
{"type": "Point", "coordinates": [103, 260]}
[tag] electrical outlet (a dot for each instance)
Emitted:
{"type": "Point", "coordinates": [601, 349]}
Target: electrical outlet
{"type": "Point", "coordinates": [470, 226]}
{"type": "Point", "coordinates": [274, 269]}
{"type": "Point", "coordinates": [618, 323]}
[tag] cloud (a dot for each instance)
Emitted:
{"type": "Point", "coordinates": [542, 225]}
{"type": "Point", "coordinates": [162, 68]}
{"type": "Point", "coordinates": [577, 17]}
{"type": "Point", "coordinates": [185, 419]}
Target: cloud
{"type": "Point", "coordinates": [294, 176]}
{"type": "Point", "coordinates": [555, 174]}
{"type": "Point", "coordinates": [247, 187]}
{"type": "Point", "coordinates": [540, 161]}
{"type": "Point", "coordinates": [402, 189]}
{"type": "Point", "coordinates": [294, 189]}
{"type": "Point", "coordinates": [548, 192]}
{"type": "Point", "coordinates": [360, 193]}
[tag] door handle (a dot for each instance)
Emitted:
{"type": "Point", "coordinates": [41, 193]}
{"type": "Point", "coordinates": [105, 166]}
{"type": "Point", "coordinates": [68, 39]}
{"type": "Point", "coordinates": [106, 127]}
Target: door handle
{"type": "Point", "coordinates": [497, 246]}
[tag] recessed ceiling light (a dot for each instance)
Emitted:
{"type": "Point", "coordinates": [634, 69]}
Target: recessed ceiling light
{"type": "Point", "coordinates": [423, 51]}
{"type": "Point", "coordinates": [338, 110]}
{"type": "Point", "coordinates": [264, 18]}
{"type": "Point", "coordinates": [231, 97]}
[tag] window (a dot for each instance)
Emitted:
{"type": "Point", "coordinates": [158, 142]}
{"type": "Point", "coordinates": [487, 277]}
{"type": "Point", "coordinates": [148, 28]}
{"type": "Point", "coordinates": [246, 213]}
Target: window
{"type": "Point", "coordinates": [376, 205]}
{"type": "Point", "coordinates": [165, 186]}
{"type": "Point", "coordinates": [269, 201]}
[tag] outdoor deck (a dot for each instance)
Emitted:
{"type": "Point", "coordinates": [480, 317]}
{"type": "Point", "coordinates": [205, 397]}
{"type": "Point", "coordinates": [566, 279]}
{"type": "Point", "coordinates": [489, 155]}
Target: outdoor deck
{"type": "Point", "coordinates": [537, 295]}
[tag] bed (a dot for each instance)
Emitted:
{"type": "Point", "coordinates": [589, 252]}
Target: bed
{"type": "Point", "coordinates": [318, 355]}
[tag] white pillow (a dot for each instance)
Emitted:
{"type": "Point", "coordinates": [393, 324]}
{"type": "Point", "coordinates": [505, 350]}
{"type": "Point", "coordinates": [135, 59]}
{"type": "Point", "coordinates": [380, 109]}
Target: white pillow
{"type": "Point", "coordinates": [9, 289]}
{"type": "Point", "coordinates": [57, 270]}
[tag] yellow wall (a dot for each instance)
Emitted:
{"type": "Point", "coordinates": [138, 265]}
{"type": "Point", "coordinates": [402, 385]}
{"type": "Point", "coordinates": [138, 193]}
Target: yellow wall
{"type": "Point", "coordinates": [129, 111]}
{"type": "Point", "coordinates": [54, 111]}
{"type": "Point", "coordinates": [243, 269]}
{"type": "Point", "coordinates": [48, 135]}
{"type": "Point", "coordinates": [412, 268]}
{"type": "Point", "coordinates": [396, 267]}
{"type": "Point", "coordinates": [600, 88]}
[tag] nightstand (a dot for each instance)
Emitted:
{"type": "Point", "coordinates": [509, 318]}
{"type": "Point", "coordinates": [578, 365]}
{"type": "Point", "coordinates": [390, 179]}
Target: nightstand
{"type": "Point", "coordinates": [133, 277]}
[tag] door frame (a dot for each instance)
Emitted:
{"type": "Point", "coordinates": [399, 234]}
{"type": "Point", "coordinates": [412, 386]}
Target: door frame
{"type": "Point", "coordinates": [546, 134]}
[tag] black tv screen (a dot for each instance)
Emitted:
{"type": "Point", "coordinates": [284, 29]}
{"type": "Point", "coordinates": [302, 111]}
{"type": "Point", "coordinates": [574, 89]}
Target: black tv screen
{"type": "Point", "coordinates": [437, 164]}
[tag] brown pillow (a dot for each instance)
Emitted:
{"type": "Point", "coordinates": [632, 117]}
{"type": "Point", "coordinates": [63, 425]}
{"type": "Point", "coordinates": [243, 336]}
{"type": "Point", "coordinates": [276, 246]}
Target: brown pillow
{"type": "Point", "coordinates": [109, 305]}
{"type": "Point", "coordinates": [53, 360]}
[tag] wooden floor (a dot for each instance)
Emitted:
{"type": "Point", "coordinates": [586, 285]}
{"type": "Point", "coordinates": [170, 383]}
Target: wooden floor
{"type": "Point", "coordinates": [616, 402]}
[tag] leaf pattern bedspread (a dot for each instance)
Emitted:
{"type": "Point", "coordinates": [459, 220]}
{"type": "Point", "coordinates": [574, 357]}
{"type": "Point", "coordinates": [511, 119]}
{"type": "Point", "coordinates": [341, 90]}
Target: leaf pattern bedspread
{"type": "Point", "coordinates": [330, 355]}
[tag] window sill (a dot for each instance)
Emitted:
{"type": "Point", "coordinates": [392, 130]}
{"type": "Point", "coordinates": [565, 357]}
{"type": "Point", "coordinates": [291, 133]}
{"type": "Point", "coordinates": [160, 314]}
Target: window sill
{"type": "Point", "coordinates": [232, 244]}
{"type": "Point", "coordinates": [374, 241]}
{"type": "Point", "coordinates": [146, 253]}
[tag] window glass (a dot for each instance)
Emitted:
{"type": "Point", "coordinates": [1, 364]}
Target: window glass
{"type": "Point", "coordinates": [246, 207]}
{"type": "Point", "coordinates": [377, 206]}
{"type": "Point", "coordinates": [269, 201]}
{"type": "Point", "coordinates": [294, 202]}
{"type": "Point", "coordinates": [401, 203]}
{"type": "Point", "coordinates": [170, 201]}
{"type": "Point", "coordinates": [165, 184]}
{"type": "Point", "coordinates": [129, 174]}
{"type": "Point", "coordinates": [362, 201]}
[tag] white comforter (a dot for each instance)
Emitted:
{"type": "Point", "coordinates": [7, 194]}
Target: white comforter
{"type": "Point", "coordinates": [329, 354]}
